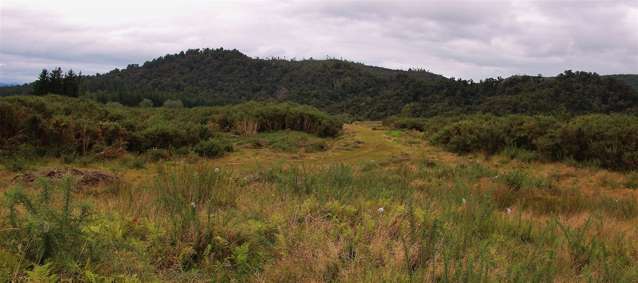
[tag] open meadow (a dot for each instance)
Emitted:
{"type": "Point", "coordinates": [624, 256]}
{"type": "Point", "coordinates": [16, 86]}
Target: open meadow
{"type": "Point", "coordinates": [372, 203]}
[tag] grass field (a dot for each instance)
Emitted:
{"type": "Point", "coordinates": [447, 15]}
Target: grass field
{"type": "Point", "coordinates": [371, 205]}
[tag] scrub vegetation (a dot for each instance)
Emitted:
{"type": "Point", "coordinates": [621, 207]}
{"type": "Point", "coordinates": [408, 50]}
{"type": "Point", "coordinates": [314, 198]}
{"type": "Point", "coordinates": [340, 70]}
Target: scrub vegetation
{"type": "Point", "coordinates": [376, 205]}
{"type": "Point", "coordinates": [211, 166]}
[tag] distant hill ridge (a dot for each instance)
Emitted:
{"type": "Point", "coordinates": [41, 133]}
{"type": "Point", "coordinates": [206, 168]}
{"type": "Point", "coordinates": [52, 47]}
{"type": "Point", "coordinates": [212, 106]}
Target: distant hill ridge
{"type": "Point", "coordinates": [221, 76]}
{"type": "Point", "coordinates": [629, 79]}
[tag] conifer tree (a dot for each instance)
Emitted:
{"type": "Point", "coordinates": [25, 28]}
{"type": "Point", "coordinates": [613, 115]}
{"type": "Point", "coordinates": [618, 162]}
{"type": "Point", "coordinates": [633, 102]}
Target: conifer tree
{"type": "Point", "coordinates": [41, 86]}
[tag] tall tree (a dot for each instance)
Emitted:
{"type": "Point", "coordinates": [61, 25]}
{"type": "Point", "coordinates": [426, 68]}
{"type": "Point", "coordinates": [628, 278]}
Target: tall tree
{"type": "Point", "coordinates": [71, 84]}
{"type": "Point", "coordinates": [56, 81]}
{"type": "Point", "coordinates": [41, 86]}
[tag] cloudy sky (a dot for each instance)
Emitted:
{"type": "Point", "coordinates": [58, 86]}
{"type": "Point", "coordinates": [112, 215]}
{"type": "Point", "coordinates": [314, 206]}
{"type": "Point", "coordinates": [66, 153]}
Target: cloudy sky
{"type": "Point", "coordinates": [458, 38]}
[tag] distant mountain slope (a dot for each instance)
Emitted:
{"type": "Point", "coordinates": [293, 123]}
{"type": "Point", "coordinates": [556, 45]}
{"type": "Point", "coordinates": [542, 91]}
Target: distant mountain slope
{"type": "Point", "coordinates": [567, 93]}
{"type": "Point", "coordinates": [219, 76]}
{"type": "Point", "coordinates": [631, 80]}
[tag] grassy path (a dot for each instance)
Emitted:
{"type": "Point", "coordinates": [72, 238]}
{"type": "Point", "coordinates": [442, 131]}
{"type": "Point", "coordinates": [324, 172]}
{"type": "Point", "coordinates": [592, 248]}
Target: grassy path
{"type": "Point", "coordinates": [360, 142]}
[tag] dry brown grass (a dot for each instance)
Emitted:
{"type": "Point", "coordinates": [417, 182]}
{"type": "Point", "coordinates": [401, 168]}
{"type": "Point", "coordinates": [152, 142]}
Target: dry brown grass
{"type": "Point", "coordinates": [313, 242]}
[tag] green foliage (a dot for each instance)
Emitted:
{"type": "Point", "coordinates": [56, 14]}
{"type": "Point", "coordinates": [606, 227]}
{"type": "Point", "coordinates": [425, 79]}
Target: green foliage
{"type": "Point", "coordinates": [199, 77]}
{"type": "Point", "coordinates": [631, 80]}
{"type": "Point", "coordinates": [15, 163]}
{"type": "Point", "coordinates": [250, 118]}
{"type": "Point", "coordinates": [61, 126]}
{"type": "Point", "coordinates": [632, 181]}
{"type": "Point", "coordinates": [173, 103]}
{"type": "Point", "coordinates": [46, 232]}
{"type": "Point", "coordinates": [218, 77]}
{"type": "Point", "coordinates": [42, 273]}
{"type": "Point", "coordinates": [524, 155]}
{"type": "Point", "coordinates": [610, 141]}
{"type": "Point", "coordinates": [517, 180]}
{"type": "Point", "coordinates": [213, 148]}
{"type": "Point", "coordinates": [493, 134]}
{"type": "Point", "coordinates": [145, 103]}
{"type": "Point", "coordinates": [288, 141]}
{"type": "Point", "coordinates": [58, 83]}
{"type": "Point", "coordinates": [322, 223]}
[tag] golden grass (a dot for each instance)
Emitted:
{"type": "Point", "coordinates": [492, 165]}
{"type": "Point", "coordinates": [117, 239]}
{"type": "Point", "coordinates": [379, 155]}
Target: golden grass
{"type": "Point", "coordinates": [309, 247]}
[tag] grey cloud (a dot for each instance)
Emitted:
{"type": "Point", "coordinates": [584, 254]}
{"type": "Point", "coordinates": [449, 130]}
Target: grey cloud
{"type": "Point", "coordinates": [471, 39]}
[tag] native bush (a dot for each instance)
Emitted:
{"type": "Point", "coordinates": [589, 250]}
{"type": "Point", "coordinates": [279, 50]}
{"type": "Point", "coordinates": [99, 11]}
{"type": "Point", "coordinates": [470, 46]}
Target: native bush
{"type": "Point", "coordinates": [610, 141]}
{"type": "Point", "coordinates": [213, 148]}
{"type": "Point", "coordinates": [49, 230]}
{"type": "Point", "coordinates": [64, 126]}
{"type": "Point", "coordinates": [250, 118]}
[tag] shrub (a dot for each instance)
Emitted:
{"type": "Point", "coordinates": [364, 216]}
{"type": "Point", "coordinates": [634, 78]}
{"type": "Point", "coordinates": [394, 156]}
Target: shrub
{"type": "Point", "coordinates": [173, 104]}
{"type": "Point", "coordinates": [632, 181]}
{"type": "Point", "coordinates": [213, 148]}
{"type": "Point", "coordinates": [520, 154]}
{"type": "Point", "coordinates": [48, 232]}
{"type": "Point", "coordinates": [16, 164]}
{"type": "Point", "coordinates": [145, 103]}
{"type": "Point", "coordinates": [251, 118]}
{"type": "Point", "coordinates": [64, 126]}
{"type": "Point", "coordinates": [515, 180]}
{"type": "Point", "coordinates": [608, 140]}
{"type": "Point", "coordinates": [166, 135]}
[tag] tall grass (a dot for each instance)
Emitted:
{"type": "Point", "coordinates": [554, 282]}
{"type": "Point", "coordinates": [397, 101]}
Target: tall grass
{"type": "Point", "coordinates": [417, 221]}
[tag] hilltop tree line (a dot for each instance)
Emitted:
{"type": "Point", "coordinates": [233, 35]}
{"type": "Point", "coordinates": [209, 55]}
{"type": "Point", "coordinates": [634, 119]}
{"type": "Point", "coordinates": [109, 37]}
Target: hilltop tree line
{"type": "Point", "coordinates": [202, 77]}
{"type": "Point", "coordinates": [58, 82]}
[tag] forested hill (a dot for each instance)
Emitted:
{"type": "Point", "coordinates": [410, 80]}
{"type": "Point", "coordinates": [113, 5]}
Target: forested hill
{"type": "Point", "coordinates": [631, 80]}
{"type": "Point", "coordinates": [219, 76]}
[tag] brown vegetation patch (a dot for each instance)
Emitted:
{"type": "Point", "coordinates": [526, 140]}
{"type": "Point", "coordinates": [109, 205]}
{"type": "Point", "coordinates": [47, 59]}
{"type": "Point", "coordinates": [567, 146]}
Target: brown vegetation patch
{"type": "Point", "coordinates": [85, 178]}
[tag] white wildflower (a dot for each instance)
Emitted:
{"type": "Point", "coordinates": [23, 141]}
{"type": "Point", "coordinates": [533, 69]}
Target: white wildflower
{"type": "Point", "coordinates": [216, 170]}
{"type": "Point", "coordinates": [380, 210]}
{"type": "Point", "coordinates": [508, 210]}
{"type": "Point", "coordinates": [463, 200]}
{"type": "Point", "coordinates": [193, 204]}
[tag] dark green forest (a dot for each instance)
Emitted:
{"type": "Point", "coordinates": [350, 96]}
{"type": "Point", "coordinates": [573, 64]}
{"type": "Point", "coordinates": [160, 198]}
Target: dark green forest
{"type": "Point", "coordinates": [631, 80]}
{"type": "Point", "coordinates": [208, 77]}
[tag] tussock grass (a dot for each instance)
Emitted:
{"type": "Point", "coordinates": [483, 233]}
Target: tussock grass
{"type": "Point", "coordinates": [412, 218]}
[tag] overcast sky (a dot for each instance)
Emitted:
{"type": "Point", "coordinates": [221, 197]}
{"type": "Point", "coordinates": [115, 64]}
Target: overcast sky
{"type": "Point", "coordinates": [468, 39]}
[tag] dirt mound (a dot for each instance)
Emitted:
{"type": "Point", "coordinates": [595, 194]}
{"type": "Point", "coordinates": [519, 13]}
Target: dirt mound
{"type": "Point", "coordinates": [85, 178]}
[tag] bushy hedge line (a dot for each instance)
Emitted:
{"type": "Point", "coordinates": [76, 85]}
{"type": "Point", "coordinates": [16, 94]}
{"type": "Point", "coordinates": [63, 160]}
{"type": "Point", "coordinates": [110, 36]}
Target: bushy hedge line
{"type": "Point", "coordinates": [493, 134]}
{"type": "Point", "coordinates": [252, 117]}
{"type": "Point", "coordinates": [610, 141]}
{"type": "Point", "coordinates": [427, 125]}
{"type": "Point", "coordinates": [60, 125]}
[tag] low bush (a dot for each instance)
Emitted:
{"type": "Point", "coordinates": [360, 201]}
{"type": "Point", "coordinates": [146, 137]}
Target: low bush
{"type": "Point", "coordinates": [251, 118]}
{"type": "Point", "coordinates": [49, 231]}
{"type": "Point", "coordinates": [64, 126]}
{"type": "Point", "coordinates": [493, 134]}
{"type": "Point", "coordinates": [609, 141]}
{"type": "Point", "coordinates": [213, 148]}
